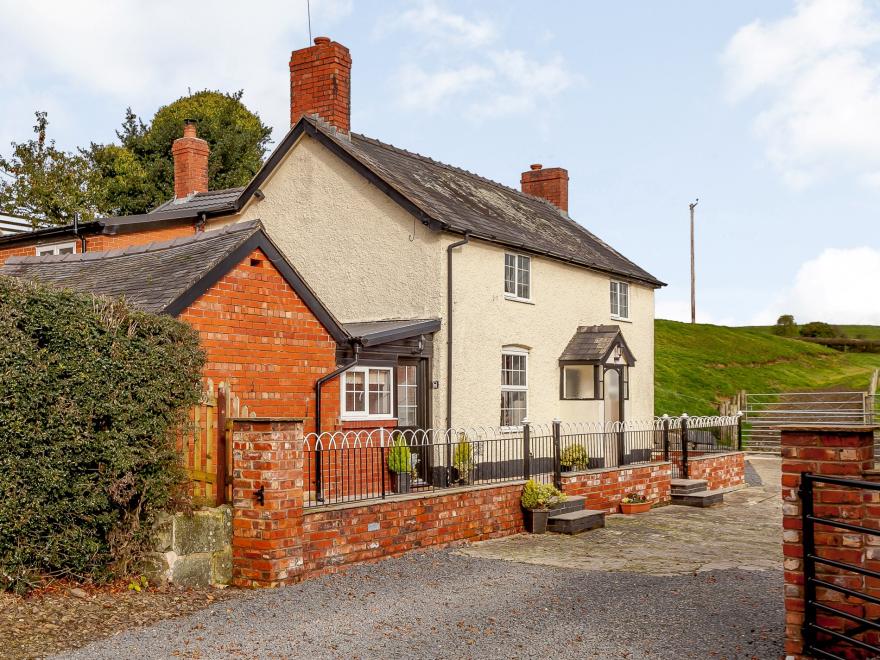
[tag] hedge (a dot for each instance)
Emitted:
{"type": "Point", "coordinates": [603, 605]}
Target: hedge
{"type": "Point", "coordinates": [92, 395]}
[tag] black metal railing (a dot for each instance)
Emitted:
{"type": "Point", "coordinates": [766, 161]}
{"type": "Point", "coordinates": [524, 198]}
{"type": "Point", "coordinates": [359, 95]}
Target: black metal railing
{"type": "Point", "coordinates": [820, 640]}
{"type": "Point", "coordinates": [351, 466]}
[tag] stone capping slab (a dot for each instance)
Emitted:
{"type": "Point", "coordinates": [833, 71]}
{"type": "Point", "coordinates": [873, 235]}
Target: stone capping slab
{"type": "Point", "coordinates": [569, 475]}
{"type": "Point", "coordinates": [829, 428]}
{"type": "Point", "coordinates": [393, 499]}
{"type": "Point", "coordinates": [263, 420]}
{"type": "Point", "coordinates": [702, 457]}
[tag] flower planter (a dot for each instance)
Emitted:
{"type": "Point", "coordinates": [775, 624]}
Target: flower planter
{"type": "Point", "coordinates": [636, 507]}
{"type": "Point", "coordinates": [536, 520]}
{"type": "Point", "coordinates": [402, 482]}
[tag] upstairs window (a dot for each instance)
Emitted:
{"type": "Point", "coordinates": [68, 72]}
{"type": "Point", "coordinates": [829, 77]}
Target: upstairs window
{"type": "Point", "coordinates": [619, 300]}
{"type": "Point", "coordinates": [366, 393]}
{"type": "Point", "coordinates": [56, 248]}
{"type": "Point", "coordinates": [514, 386]}
{"type": "Point", "coordinates": [517, 277]}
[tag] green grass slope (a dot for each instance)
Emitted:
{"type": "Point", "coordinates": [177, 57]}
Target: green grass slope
{"type": "Point", "coordinates": [695, 365]}
{"type": "Point", "coordinates": [851, 331]}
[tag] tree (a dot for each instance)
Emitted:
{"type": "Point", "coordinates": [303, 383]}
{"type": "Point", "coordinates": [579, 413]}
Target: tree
{"type": "Point", "coordinates": [820, 329]}
{"type": "Point", "coordinates": [44, 183]}
{"type": "Point", "coordinates": [138, 175]}
{"type": "Point", "coordinates": [785, 326]}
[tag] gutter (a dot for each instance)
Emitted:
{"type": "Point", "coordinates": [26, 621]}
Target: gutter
{"type": "Point", "coordinates": [449, 249]}
{"type": "Point", "coordinates": [319, 494]}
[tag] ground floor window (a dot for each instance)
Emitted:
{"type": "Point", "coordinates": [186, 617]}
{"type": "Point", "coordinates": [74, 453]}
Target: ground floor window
{"type": "Point", "coordinates": [514, 386]}
{"type": "Point", "coordinates": [367, 393]}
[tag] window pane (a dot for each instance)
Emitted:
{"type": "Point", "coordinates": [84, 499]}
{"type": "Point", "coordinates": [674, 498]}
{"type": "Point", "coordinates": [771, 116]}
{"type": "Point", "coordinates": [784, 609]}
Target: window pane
{"type": "Point", "coordinates": [354, 392]}
{"type": "Point", "coordinates": [407, 405]}
{"type": "Point", "coordinates": [614, 308]}
{"type": "Point", "coordinates": [623, 303]}
{"type": "Point", "coordinates": [510, 274]}
{"type": "Point", "coordinates": [66, 250]}
{"type": "Point", "coordinates": [513, 408]}
{"type": "Point", "coordinates": [578, 381]}
{"type": "Point", "coordinates": [380, 392]}
{"type": "Point", "coordinates": [513, 370]}
{"type": "Point", "coordinates": [523, 277]}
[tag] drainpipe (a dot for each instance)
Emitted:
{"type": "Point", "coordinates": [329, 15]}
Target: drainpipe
{"type": "Point", "coordinates": [449, 249]}
{"type": "Point", "coordinates": [319, 495]}
{"type": "Point", "coordinates": [77, 234]}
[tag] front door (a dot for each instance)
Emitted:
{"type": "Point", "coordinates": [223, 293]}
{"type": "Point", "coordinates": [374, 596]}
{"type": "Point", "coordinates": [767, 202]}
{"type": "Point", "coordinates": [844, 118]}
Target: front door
{"type": "Point", "coordinates": [412, 410]}
{"type": "Point", "coordinates": [614, 413]}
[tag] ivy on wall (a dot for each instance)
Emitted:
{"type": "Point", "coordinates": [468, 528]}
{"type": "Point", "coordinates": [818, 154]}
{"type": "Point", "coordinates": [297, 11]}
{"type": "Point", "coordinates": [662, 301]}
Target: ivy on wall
{"type": "Point", "coordinates": [92, 396]}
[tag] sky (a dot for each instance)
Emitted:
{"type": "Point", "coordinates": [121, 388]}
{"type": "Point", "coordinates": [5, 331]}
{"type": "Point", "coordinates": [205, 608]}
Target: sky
{"type": "Point", "coordinates": [767, 111]}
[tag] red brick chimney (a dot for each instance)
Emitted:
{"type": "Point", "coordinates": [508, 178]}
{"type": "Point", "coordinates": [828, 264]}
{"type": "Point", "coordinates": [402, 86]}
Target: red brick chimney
{"type": "Point", "coordinates": [190, 162]}
{"type": "Point", "coordinates": [320, 83]}
{"type": "Point", "coordinates": [550, 183]}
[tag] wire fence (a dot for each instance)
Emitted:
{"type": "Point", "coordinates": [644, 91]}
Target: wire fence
{"type": "Point", "coordinates": [352, 466]}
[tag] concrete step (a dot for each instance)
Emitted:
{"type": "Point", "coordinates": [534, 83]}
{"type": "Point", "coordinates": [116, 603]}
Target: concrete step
{"type": "Point", "coordinates": [571, 504]}
{"type": "Point", "coordinates": [575, 522]}
{"type": "Point", "coordinates": [702, 499]}
{"type": "Point", "coordinates": [688, 486]}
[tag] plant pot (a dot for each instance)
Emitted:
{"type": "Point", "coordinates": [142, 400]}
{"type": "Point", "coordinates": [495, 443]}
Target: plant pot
{"type": "Point", "coordinates": [465, 477]}
{"type": "Point", "coordinates": [402, 482]}
{"type": "Point", "coordinates": [639, 507]}
{"type": "Point", "coordinates": [536, 520]}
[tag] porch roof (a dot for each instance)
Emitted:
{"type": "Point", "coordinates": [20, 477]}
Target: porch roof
{"type": "Point", "coordinates": [373, 333]}
{"type": "Point", "coordinates": [592, 344]}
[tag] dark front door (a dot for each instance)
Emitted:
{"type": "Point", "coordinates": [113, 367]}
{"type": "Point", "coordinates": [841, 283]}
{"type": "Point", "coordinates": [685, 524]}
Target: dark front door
{"type": "Point", "coordinates": [412, 410]}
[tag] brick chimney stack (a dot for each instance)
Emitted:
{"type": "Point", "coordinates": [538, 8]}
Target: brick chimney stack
{"type": "Point", "coordinates": [190, 162]}
{"type": "Point", "coordinates": [320, 83]}
{"type": "Point", "coordinates": [550, 183]}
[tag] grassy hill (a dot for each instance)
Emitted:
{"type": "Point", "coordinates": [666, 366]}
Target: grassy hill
{"type": "Point", "coordinates": [851, 331]}
{"type": "Point", "coordinates": [698, 364]}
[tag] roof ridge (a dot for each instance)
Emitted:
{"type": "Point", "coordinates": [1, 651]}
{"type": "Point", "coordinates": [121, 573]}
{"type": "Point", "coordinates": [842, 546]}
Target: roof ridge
{"type": "Point", "coordinates": [154, 246]}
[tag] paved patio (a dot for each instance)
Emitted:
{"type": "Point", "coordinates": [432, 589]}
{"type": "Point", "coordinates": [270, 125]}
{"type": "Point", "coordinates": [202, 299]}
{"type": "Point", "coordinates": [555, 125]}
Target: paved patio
{"type": "Point", "coordinates": [745, 533]}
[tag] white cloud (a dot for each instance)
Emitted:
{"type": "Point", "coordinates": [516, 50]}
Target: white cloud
{"type": "Point", "coordinates": [817, 75]}
{"type": "Point", "coordinates": [451, 64]}
{"type": "Point", "coordinates": [838, 286]}
{"type": "Point", "coordinates": [146, 53]}
{"type": "Point", "coordinates": [678, 309]}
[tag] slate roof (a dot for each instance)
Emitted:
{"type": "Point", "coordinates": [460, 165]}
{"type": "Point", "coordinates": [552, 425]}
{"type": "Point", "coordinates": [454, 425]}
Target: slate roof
{"type": "Point", "coordinates": [371, 333]}
{"type": "Point", "coordinates": [593, 343]}
{"type": "Point", "coordinates": [213, 200]}
{"type": "Point", "coordinates": [151, 277]}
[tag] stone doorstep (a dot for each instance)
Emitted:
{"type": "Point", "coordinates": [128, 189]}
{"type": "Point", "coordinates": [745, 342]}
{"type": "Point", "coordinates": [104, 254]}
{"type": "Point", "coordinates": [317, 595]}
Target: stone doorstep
{"type": "Point", "coordinates": [686, 486]}
{"type": "Point", "coordinates": [576, 521]}
{"type": "Point", "coordinates": [702, 499]}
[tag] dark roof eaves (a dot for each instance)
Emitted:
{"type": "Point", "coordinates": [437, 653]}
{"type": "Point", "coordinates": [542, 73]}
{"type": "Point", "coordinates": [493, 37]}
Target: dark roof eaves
{"type": "Point", "coordinates": [426, 327]}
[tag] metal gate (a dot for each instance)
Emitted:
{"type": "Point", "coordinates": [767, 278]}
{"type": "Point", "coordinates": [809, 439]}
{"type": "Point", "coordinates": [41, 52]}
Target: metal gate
{"type": "Point", "coordinates": [765, 413]}
{"type": "Point", "coordinates": [820, 640]}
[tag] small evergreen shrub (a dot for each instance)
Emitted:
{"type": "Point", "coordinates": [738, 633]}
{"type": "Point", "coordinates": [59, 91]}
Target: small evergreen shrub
{"type": "Point", "coordinates": [399, 456]}
{"type": "Point", "coordinates": [463, 459]}
{"type": "Point", "coordinates": [540, 496]}
{"type": "Point", "coordinates": [575, 457]}
{"type": "Point", "coordinates": [92, 395]}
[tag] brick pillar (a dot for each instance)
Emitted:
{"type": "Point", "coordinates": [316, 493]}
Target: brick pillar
{"type": "Point", "coordinates": [830, 451]}
{"type": "Point", "coordinates": [267, 538]}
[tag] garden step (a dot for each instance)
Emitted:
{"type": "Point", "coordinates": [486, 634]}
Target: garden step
{"type": "Point", "coordinates": [576, 521]}
{"type": "Point", "coordinates": [571, 504]}
{"type": "Point", "coordinates": [701, 499]}
{"type": "Point", "coordinates": [687, 486]}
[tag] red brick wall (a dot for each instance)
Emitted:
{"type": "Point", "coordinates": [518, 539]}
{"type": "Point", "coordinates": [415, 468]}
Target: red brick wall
{"type": "Point", "coordinates": [605, 488]}
{"type": "Point", "coordinates": [320, 83]}
{"type": "Point", "coordinates": [834, 452]}
{"type": "Point", "coordinates": [719, 470]}
{"type": "Point", "coordinates": [263, 340]}
{"type": "Point", "coordinates": [551, 183]}
{"type": "Point", "coordinates": [337, 536]}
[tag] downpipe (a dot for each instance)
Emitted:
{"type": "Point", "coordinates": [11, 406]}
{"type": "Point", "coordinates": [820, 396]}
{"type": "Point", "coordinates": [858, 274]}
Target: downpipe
{"type": "Point", "coordinates": [449, 249]}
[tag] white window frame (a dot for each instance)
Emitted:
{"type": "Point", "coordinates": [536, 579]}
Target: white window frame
{"type": "Point", "coordinates": [54, 248]}
{"type": "Point", "coordinates": [362, 416]}
{"type": "Point", "coordinates": [516, 277]}
{"type": "Point", "coordinates": [518, 351]}
{"type": "Point", "coordinates": [615, 296]}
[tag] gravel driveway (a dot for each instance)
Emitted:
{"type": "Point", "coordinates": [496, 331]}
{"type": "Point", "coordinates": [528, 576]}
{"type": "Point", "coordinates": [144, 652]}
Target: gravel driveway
{"type": "Point", "coordinates": [500, 600]}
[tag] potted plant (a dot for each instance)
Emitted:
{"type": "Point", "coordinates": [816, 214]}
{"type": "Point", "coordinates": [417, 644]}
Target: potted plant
{"type": "Point", "coordinates": [463, 461]}
{"type": "Point", "coordinates": [400, 463]}
{"type": "Point", "coordinates": [537, 501]}
{"type": "Point", "coordinates": [634, 503]}
{"type": "Point", "coordinates": [574, 457]}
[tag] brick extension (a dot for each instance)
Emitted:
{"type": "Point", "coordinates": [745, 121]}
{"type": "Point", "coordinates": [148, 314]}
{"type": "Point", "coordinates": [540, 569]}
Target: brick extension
{"type": "Point", "coordinates": [839, 452]}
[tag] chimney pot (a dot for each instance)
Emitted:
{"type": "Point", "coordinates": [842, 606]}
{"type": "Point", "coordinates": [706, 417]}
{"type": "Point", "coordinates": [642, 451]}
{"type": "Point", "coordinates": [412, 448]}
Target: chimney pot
{"type": "Point", "coordinates": [320, 83]}
{"type": "Point", "coordinates": [190, 162]}
{"type": "Point", "coordinates": [550, 183]}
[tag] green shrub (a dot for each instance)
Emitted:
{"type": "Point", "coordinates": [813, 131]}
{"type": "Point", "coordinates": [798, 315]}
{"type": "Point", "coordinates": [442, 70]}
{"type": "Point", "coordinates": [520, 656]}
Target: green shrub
{"type": "Point", "coordinates": [92, 394]}
{"type": "Point", "coordinates": [820, 329]}
{"type": "Point", "coordinates": [463, 459]}
{"type": "Point", "coordinates": [540, 496]}
{"type": "Point", "coordinates": [575, 456]}
{"type": "Point", "coordinates": [399, 456]}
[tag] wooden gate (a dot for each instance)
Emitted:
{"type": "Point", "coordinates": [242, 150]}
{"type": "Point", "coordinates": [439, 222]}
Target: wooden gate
{"type": "Point", "coordinates": [206, 446]}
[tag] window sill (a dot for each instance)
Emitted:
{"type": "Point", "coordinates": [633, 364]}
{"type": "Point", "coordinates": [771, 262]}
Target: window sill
{"type": "Point", "coordinates": [621, 318]}
{"type": "Point", "coordinates": [362, 418]}
{"type": "Point", "coordinates": [526, 301]}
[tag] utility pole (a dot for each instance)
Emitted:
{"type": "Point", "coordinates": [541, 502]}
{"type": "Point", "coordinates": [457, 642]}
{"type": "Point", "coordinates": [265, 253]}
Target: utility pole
{"type": "Point", "coordinates": [692, 206]}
